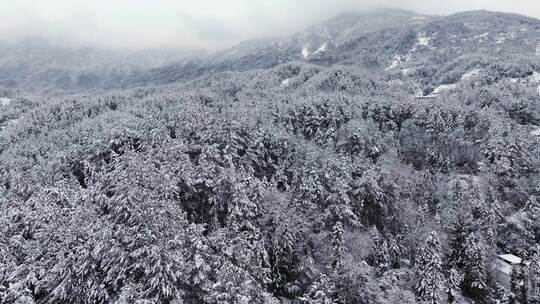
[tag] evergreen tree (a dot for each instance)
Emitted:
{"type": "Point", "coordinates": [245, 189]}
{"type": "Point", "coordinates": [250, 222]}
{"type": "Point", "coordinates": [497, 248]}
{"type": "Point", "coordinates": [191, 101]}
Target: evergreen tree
{"type": "Point", "coordinates": [490, 216]}
{"type": "Point", "coordinates": [519, 284]}
{"type": "Point", "coordinates": [233, 284]}
{"type": "Point", "coordinates": [428, 269]}
{"type": "Point", "coordinates": [423, 214]}
{"type": "Point", "coordinates": [495, 213]}
{"type": "Point", "coordinates": [532, 207]}
{"type": "Point", "coordinates": [394, 250]}
{"type": "Point", "coordinates": [337, 246]}
{"type": "Point", "coordinates": [379, 255]}
{"type": "Point", "coordinates": [200, 256]}
{"type": "Point", "coordinates": [283, 257]}
{"type": "Point", "coordinates": [242, 193]}
{"type": "Point", "coordinates": [501, 295]}
{"type": "Point", "coordinates": [321, 292]}
{"type": "Point", "coordinates": [453, 289]}
{"type": "Point", "coordinates": [474, 268]}
{"type": "Point", "coordinates": [461, 230]}
{"type": "Point", "coordinates": [534, 277]}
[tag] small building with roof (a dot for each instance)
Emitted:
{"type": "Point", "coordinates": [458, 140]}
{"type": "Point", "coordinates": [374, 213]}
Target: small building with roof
{"type": "Point", "coordinates": [503, 267]}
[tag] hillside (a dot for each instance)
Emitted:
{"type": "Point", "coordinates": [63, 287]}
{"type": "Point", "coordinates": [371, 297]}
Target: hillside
{"type": "Point", "coordinates": [37, 65]}
{"type": "Point", "coordinates": [383, 157]}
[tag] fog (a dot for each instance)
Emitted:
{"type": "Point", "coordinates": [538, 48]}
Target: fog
{"type": "Point", "coordinates": [206, 24]}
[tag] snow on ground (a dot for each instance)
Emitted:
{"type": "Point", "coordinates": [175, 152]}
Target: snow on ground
{"type": "Point", "coordinates": [423, 40]}
{"type": "Point", "coordinates": [286, 82]}
{"type": "Point", "coordinates": [483, 35]}
{"type": "Point", "coordinates": [4, 101]}
{"type": "Point", "coordinates": [535, 132]}
{"type": "Point", "coordinates": [9, 122]}
{"type": "Point", "coordinates": [444, 88]}
{"type": "Point", "coordinates": [438, 91]}
{"type": "Point", "coordinates": [406, 72]}
{"type": "Point", "coordinates": [395, 62]}
{"type": "Point", "coordinates": [321, 49]}
{"type": "Point", "coordinates": [500, 40]}
{"type": "Point", "coordinates": [471, 74]}
{"type": "Point", "coordinates": [305, 52]}
{"type": "Point", "coordinates": [535, 77]}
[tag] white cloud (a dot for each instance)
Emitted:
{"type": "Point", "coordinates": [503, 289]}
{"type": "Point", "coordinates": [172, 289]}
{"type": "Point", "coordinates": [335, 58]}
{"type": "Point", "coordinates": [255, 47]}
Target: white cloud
{"type": "Point", "coordinates": [198, 24]}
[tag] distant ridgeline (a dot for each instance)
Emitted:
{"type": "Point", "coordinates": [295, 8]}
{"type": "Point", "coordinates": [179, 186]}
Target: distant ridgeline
{"type": "Point", "coordinates": [383, 157]}
{"type": "Point", "coordinates": [425, 52]}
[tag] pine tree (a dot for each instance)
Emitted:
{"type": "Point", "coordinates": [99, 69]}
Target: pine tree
{"type": "Point", "coordinates": [199, 255]}
{"type": "Point", "coordinates": [519, 284]}
{"type": "Point", "coordinates": [500, 295]}
{"type": "Point", "coordinates": [282, 257]}
{"type": "Point", "coordinates": [394, 251]}
{"type": "Point", "coordinates": [491, 201]}
{"type": "Point", "coordinates": [534, 277]}
{"type": "Point", "coordinates": [321, 292]}
{"type": "Point", "coordinates": [452, 211]}
{"type": "Point", "coordinates": [380, 256]}
{"type": "Point", "coordinates": [453, 289]}
{"type": "Point", "coordinates": [428, 268]}
{"type": "Point", "coordinates": [337, 246]}
{"type": "Point", "coordinates": [461, 230]}
{"type": "Point", "coordinates": [232, 284]}
{"type": "Point", "coordinates": [491, 216]}
{"type": "Point", "coordinates": [532, 207]}
{"type": "Point", "coordinates": [243, 192]}
{"type": "Point", "coordinates": [437, 218]}
{"type": "Point", "coordinates": [474, 268]}
{"type": "Point", "coordinates": [423, 214]}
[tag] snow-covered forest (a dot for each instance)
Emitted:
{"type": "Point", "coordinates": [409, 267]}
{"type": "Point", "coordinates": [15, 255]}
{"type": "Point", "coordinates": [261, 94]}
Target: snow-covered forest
{"type": "Point", "coordinates": [381, 157]}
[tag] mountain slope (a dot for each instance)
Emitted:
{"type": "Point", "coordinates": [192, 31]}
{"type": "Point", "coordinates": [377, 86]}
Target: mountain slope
{"type": "Point", "coordinates": [35, 64]}
{"type": "Point", "coordinates": [419, 44]}
{"type": "Point", "coordinates": [404, 152]}
{"type": "Point", "coordinates": [390, 40]}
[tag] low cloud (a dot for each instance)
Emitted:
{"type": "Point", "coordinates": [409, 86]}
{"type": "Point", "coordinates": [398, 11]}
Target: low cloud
{"type": "Point", "coordinates": [208, 24]}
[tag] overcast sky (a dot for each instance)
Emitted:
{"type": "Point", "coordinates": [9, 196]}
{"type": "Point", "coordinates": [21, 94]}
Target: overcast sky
{"type": "Point", "coordinates": [208, 24]}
